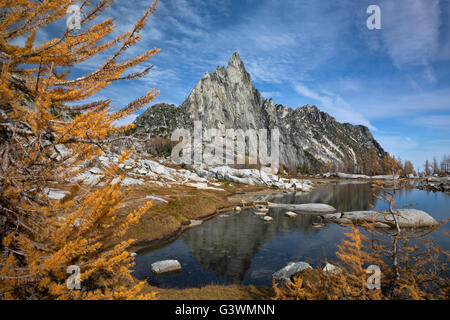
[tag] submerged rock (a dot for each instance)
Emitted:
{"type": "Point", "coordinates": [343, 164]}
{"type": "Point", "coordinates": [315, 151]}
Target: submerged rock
{"type": "Point", "coordinates": [285, 275]}
{"type": "Point", "coordinates": [165, 266]}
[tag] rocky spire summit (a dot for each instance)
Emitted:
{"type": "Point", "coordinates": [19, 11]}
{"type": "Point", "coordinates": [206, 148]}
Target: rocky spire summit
{"type": "Point", "coordinates": [227, 99]}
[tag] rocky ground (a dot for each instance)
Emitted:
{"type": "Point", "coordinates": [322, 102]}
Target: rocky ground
{"type": "Point", "coordinates": [434, 184]}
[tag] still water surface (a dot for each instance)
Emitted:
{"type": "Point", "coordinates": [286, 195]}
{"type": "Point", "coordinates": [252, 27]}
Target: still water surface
{"type": "Point", "coordinates": [243, 249]}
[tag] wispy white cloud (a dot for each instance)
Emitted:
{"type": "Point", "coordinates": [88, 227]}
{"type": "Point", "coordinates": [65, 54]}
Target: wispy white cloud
{"type": "Point", "coordinates": [158, 76]}
{"type": "Point", "coordinates": [438, 122]}
{"type": "Point", "coordinates": [335, 105]}
{"type": "Point", "coordinates": [185, 10]}
{"type": "Point", "coordinates": [396, 142]}
{"type": "Point", "coordinates": [444, 50]}
{"type": "Point", "coordinates": [394, 79]}
{"type": "Point", "coordinates": [188, 31]}
{"type": "Point", "coordinates": [349, 84]}
{"type": "Point", "coordinates": [411, 33]}
{"type": "Point", "coordinates": [405, 105]}
{"type": "Point", "coordinates": [416, 149]}
{"type": "Point", "coordinates": [262, 71]}
{"type": "Point", "coordinates": [269, 94]}
{"type": "Point", "coordinates": [309, 46]}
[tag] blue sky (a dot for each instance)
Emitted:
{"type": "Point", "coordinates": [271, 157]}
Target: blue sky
{"type": "Point", "coordinates": [395, 80]}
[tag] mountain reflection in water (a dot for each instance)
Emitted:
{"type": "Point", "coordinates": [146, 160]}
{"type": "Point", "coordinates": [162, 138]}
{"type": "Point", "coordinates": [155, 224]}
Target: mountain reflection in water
{"type": "Point", "coordinates": [243, 249]}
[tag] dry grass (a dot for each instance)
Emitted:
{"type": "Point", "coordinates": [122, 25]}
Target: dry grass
{"type": "Point", "coordinates": [214, 292]}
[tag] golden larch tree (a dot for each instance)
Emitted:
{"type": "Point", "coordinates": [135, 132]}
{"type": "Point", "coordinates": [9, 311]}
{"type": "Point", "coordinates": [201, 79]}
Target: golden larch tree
{"type": "Point", "coordinates": [409, 167]}
{"type": "Point", "coordinates": [372, 165]}
{"type": "Point", "coordinates": [42, 114]}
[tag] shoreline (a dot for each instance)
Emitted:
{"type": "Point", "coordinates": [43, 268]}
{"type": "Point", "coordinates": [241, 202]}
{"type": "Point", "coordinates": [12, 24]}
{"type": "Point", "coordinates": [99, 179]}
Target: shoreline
{"type": "Point", "coordinates": [222, 202]}
{"type": "Point", "coordinates": [212, 291]}
{"type": "Point", "coordinates": [234, 197]}
{"type": "Point", "coordinates": [234, 201]}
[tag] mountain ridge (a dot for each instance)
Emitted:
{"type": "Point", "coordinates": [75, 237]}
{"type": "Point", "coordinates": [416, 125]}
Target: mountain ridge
{"type": "Point", "coordinates": [227, 98]}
